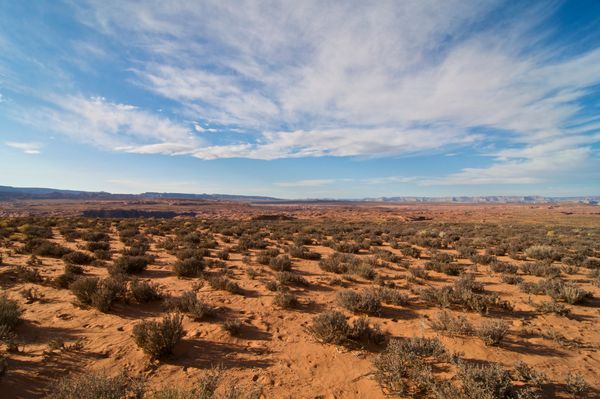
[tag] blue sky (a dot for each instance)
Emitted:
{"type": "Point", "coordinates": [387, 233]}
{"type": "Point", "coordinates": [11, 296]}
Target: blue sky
{"type": "Point", "coordinates": [302, 99]}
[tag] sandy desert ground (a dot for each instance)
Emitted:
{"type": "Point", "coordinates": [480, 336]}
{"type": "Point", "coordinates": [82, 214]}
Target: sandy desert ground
{"type": "Point", "coordinates": [515, 286]}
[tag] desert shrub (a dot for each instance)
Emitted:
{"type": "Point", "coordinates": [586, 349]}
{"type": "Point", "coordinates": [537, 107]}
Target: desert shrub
{"type": "Point", "coordinates": [413, 252]}
{"type": "Point", "coordinates": [465, 251]}
{"type": "Point", "coordinates": [10, 314]}
{"type": "Point", "coordinates": [78, 258]}
{"type": "Point", "coordinates": [189, 304]}
{"type": "Point", "coordinates": [96, 386]}
{"type": "Point", "coordinates": [511, 279]}
{"type": "Point", "coordinates": [332, 328]}
{"type": "Point", "coordinates": [102, 254]}
{"type": "Point", "coordinates": [463, 298]}
{"type": "Point", "coordinates": [98, 293]}
{"type": "Point", "coordinates": [552, 307]}
{"type": "Point", "coordinates": [346, 247]}
{"type": "Point", "coordinates": [503, 267]}
{"type": "Point", "coordinates": [540, 269]}
{"type": "Point", "coordinates": [28, 274]}
{"type": "Point", "coordinates": [233, 327]}
{"type": "Point", "coordinates": [273, 285]}
{"type": "Point", "coordinates": [129, 265]}
{"type": "Point", "coordinates": [265, 256]}
{"type": "Point", "coordinates": [575, 384]}
{"type": "Point", "coordinates": [303, 253]}
{"type": "Point", "coordinates": [492, 332]}
{"type": "Point", "coordinates": [405, 366]}
{"type": "Point", "coordinates": [42, 247]}
{"type": "Point", "coordinates": [285, 300]}
{"type": "Point", "coordinates": [96, 236]}
{"type": "Point", "coordinates": [484, 259]}
{"type": "Point", "coordinates": [390, 296]}
{"type": "Point", "coordinates": [489, 381]}
{"type": "Point", "coordinates": [290, 278]}
{"type": "Point", "coordinates": [363, 302]}
{"type": "Point", "coordinates": [441, 257]}
{"type": "Point", "coordinates": [418, 272]}
{"type": "Point", "coordinates": [143, 291]}
{"type": "Point", "coordinates": [280, 263]}
{"type": "Point", "coordinates": [526, 373]}
{"type": "Point", "coordinates": [188, 253]}
{"type": "Point", "coordinates": [543, 252]}
{"type": "Point", "coordinates": [453, 325]}
{"type": "Point", "coordinates": [97, 246]}
{"type": "Point", "coordinates": [158, 338]}
{"type": "Point", "coordinates": [572, 294]}
{"type": "Point", "coordinates": [223, 254]}
{"type": "Point", "coordinates": [223, 283]}
{"type": "Point", "coordinates": [188, 267]}
{"type": "Point", "coordinates": [451, 269]}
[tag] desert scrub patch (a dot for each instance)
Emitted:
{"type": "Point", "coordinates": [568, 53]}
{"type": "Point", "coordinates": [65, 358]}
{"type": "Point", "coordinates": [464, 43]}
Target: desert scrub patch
{"type": "Point", "coordinates": [129, 265]}
{"type": "Point", "coordinates": [78, 258]}
{"type": "Point", "coordinates": [299, 251]}
{"type": "Point", "coordinates": [405, 367]}
{"type": "Point", "coordinates": [220, 282]}
{"type": "Point", "coordinates": [360, 302]}
{"type": "Point", "coordinates": [233, 327]}
{"type": "Point", "coordinates": [10, 314]}
{"type": "Point", "coordinates": [390, 296]}
{"type": "Point", "coordinates": [341, 263]}
{"type": "Point", "coordinates": [290, 278]}
{"type": "Point", "coordinates": [96, 386]}
{"type": "Point", "coordinates": [280, 263]}
{"type": "Point", "coordinates": [285, 300]}
{"type": "Point", "coordinates": [98, 293]}
{"type": "Point", "coordinates": [188, 267]}
{"type": "Point", "coordinates": [143, 291]}
{"type": "Point", "coordinates": [451, 325]}
{"type": "Point", "coordinates": [543, 252]}
{"type": "Point", "coordinates": [158, 338]}
{"type": "Point", "coordinates": [189, 304]}
{"type": "Point", "coordinates": [492, 332]}
{"type": "Point", "coordinates": [332, 328]}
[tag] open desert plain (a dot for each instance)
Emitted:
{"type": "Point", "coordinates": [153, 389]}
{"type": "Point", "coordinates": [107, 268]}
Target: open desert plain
{"type": "Point", "coordinates": [300, 300]}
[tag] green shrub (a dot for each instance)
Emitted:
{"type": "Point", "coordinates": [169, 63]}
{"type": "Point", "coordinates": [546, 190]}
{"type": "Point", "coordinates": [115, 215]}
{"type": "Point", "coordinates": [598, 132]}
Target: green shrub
{"type": "Point", "coordinates": [99, 293]}
{"type": "Point", "coordinates": [158, 338]}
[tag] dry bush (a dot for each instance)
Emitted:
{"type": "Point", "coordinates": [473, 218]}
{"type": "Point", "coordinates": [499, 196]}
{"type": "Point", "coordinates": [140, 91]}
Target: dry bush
{"type": "Point", "coordinates": [28, 274]}
{"type": "Point", "coordinates": [96, 386]}
{"type": "Point", "coordinates": [129, 265]}
{"type": "Point", "coordinates": [489, 381]}
{"type": "Point", "coordinates": [453, 325]}
{"type": "Point", "coordinates": [526, 373]}
{"type": "Point", "coordinates": [492, 332]}
{"type": "Point", "coordinates": [158, 338]}
{"type": "Point", "coordinates": [390, 296]}
{"type": "Point", "coordinates": [360, 302]}
{"type": "Point", "coordinates": [575, 384]}
{"type": "Point", "coordinates": [99, 293]}
{"type": "Point", "coordinates": [233, 327]}
{"type": "Point", "coordinates": [285, 300]}
{"type": "Point", "coordinates": [543, 252]}
{"type": "Point", "coordinates": [340, 263]}
{"type": "Point", "coordinates": [541, 269]}
{"type": "Point", "coordinates": [503, 267]}
{"type": "Point", "coordinates": [289, 278]}
{"type": "Point", "coordinates": [189, 304]}
{"type": "Point", "coordinates": [10, 314]}
{"type": "Point", "coordinates": [188, 267]}
{"type": "Point", "coordinates": [144, 291]}
{"type": "Point", "coordinates": [332, 328]}
{"type": "Point", "coordinates": [78, 258]}
{"type": "Point", "coordinates": [280, 263]}
{"type": "Point", "coordinates": [552, 307]}
{"type": "Point", "coordinates": [223, 283]}
{"type": "Point", "coordinates": [511, 279]}
{"type": "Point", "coordinates": [405, 366]}
{"type": "Point", "coordinates": [303, 253]}
{"type": "Point", "coordinates": [42, 247]}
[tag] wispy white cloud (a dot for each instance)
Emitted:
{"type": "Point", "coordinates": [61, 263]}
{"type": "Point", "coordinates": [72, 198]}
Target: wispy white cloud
{"type": "Point", "coordinates": [306, 183]}
{"type": "Point", "coordinates": [26, 147]}
{"type": "Point", "coordinates": [120, 127]}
